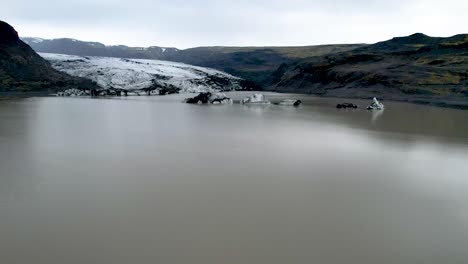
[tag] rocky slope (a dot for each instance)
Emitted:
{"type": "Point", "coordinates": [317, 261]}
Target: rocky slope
{"type": "Point", "coordinates": [135, 74]}
{"type": "Point", "coordinates": [23, 70]}
{"type": "Point", "coordinates": [252, 63]}
{"type": "Point", "coordinates": [413, 68]}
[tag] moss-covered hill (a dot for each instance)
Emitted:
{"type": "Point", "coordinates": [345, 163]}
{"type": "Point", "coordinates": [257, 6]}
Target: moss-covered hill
{"type": "Point", "coordinates": [417, 67]}
{"type": "Point", "coordinates": [253, 63]}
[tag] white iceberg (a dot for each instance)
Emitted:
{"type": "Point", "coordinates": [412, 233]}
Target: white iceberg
{"type": "Point", "coordinates": [376, 105]}
{"type": "Point", "coordinates": [255, 99]}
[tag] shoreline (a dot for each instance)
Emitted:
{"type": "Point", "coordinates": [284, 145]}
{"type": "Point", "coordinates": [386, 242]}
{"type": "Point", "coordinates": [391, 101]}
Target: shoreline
{"type": "Point", "coordinates": [453, 103]}
{"type": "Point", "coordinates": [9, 95]}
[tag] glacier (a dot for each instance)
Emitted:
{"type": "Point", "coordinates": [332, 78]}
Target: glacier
{"type": "Point", "coordinates": [138, 74]}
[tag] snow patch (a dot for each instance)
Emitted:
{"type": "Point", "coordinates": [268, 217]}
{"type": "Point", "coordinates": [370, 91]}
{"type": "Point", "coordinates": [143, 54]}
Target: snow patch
{"type": "Point", "coordinates": [37, 40]}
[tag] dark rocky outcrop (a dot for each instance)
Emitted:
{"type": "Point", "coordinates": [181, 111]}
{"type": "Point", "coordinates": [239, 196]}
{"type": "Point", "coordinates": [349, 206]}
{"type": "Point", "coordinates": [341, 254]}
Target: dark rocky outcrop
{"type": "Point", "coordinates": [23, 70]}
{"type": "Point", "coordinates": [8, 34]}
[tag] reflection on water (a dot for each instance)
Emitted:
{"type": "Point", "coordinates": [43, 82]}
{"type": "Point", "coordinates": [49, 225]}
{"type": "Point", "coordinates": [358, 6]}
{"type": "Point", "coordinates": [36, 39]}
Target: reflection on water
{"type": "Point", "coordinates": [149, 179]}
{"type": "Point", "coordinates": [376, 115]}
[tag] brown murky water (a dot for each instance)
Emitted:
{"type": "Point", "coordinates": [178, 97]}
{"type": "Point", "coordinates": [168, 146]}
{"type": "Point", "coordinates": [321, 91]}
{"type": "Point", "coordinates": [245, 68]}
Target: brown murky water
{"type": "Point", "coordinates": [152, 180]}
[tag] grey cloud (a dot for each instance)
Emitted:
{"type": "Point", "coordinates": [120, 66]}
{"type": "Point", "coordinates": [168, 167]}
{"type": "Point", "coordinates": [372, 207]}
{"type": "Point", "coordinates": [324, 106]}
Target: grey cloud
{"type": "Point", "coordinates": [184, 23]}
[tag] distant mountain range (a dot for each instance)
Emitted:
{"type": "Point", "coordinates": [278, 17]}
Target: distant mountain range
{"type": "Point", "coordinates": [23, 70]}
{"type": "Point", "coordinates": [415, 68]}
{"type": "Point", "coordinates": [252, 63]}
{"type": "Point", "coordinates": [81, 48]}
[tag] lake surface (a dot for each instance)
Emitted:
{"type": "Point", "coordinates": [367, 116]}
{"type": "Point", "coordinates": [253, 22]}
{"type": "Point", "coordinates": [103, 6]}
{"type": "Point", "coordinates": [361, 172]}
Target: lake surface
{"type": "Point", "coordinates": [153, 180]}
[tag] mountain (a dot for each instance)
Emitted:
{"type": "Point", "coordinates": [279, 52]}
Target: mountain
{"type": "Point", "coordinates": [413, 68]}
{"type": "Point", "coordinates": [22, 69]}
{"type": "Point", "coordinates": [252, 63]}
{"type": "Point", "coordinates": [81, 48]}
{"type": "Point", "coordinates": [416, 68]}
{"type": "Point", "coordinates": [133, 74]}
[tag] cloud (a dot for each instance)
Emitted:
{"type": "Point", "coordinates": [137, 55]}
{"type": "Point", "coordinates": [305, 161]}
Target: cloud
{"type": "Point", "coordinates": [243, 22]}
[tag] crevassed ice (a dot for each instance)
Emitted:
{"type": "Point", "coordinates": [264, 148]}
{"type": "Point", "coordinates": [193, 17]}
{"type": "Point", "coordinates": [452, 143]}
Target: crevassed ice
{"type": "Point", "coordinates": [133, 74]}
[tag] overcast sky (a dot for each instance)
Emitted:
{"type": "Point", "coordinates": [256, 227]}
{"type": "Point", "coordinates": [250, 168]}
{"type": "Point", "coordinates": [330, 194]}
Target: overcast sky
{"type": "Point", "coordinates": [183, 23]}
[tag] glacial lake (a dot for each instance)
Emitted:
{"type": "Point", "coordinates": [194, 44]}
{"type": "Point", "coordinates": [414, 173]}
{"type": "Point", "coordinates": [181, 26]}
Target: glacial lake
{"type": "Point", "coordinates": [153, 180]}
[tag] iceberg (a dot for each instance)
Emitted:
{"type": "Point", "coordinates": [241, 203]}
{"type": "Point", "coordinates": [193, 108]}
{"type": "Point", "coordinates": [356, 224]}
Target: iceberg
{"type": "Point", "coordinates": [255, 99]}
{"type": "Point", "coordinates": [376, 105]}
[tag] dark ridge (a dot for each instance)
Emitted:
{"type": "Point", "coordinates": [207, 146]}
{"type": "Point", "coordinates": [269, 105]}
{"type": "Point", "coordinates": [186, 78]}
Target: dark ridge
{"type": "Point", "coordinates": [23, 70]}
{"type": "Point", "coordinates": [8, 34]}
{"type": "Point", "coordinates": [416, 38]}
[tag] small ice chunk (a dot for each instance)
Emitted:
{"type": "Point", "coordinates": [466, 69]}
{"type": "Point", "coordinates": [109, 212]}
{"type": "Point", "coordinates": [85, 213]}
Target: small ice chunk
{"type": "Point", "coordinates": [376, 105]}
{"type": "Point", "coordinates": [255, 99]}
